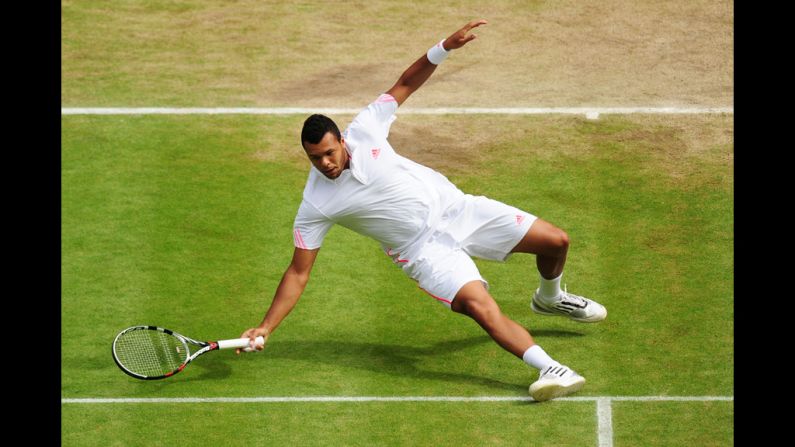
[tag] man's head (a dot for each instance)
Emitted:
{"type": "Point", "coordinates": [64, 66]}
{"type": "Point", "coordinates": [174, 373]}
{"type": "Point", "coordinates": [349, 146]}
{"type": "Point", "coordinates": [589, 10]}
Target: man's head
{"type": "Point", "coordinates": [324, 145]}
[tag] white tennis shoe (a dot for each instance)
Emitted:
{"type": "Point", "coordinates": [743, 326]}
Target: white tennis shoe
{"type": "Point", "coordinates": [556, 381]}
{"type": "Point", "coordinates": [567, 304]}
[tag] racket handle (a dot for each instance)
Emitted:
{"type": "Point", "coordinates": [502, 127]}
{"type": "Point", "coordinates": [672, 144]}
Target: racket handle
{"type": "Point", "coordinates": [239, 343]}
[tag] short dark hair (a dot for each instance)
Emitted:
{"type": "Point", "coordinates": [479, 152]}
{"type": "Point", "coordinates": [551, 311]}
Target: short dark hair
{"type": "Point", "coordinates": [316, 127]}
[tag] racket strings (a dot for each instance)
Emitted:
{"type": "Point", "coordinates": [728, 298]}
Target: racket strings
{"type": "Point", "coordinates": [150, 353]}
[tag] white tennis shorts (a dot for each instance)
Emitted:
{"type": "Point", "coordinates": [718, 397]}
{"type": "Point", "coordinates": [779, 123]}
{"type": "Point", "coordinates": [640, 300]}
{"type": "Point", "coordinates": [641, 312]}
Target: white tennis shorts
{"type": "Point", "coordinates": [474, 226]}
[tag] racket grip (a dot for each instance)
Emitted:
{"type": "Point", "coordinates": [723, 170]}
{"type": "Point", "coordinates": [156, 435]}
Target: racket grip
{"type": "Point", "coordinates": [239, 343]}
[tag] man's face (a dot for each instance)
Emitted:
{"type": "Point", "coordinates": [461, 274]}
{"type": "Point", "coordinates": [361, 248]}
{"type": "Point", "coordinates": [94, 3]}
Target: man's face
{"type": "Point", "coordinates": [328, 156]}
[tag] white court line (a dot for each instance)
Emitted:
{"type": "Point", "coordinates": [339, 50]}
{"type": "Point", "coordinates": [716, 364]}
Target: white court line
{"type": "Point", "coordinates": [590, 112]}
{"type": "Point", "coordinates": [604, 410]}
{"type": "Point", "coordinates": [671, 398]}
{"type": "Point", "coordinates": [604, 420]}
{"type": "Point", "coordinates": [169, 400]}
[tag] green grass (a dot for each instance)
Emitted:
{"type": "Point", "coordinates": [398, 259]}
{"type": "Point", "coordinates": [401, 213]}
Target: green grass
{"type": "Point", "coordinates": [706, 423]}
{"type": "Point", "coordinates": [185, 222]}
{"type": "Point", "coordinates": [327, 424]}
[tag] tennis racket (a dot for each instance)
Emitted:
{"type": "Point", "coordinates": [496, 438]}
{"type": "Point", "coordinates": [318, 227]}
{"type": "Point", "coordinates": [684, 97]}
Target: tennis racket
{"type": "Point", "coordinates": [151, 352]}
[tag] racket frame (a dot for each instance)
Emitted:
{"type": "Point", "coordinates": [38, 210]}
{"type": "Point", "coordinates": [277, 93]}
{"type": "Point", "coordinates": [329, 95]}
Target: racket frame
{"type": "Point", "coordinates": [204, 347]}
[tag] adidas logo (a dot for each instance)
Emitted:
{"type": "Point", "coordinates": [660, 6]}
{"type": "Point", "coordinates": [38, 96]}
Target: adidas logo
{"type": "Point", "coordinates": [519, 219]}
{"type": "Point", "coordinates": [569, 305]}
{"type": "Point", "coordinates": [375, 151]}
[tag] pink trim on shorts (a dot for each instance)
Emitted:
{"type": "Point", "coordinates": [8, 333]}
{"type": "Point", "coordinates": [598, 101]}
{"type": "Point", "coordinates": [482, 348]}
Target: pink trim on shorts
{"type": "Point", "coordinates": [298, 239]}
{"type": "Point", "coordinates": [388, 250]}
{"type": "Point", "coordinates": [436, 297]}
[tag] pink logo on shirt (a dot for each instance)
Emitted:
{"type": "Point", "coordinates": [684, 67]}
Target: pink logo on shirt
{"type": "Point", "coordinates": [519, 219]}
{"type": "Point", "coordinates": [375, 151]}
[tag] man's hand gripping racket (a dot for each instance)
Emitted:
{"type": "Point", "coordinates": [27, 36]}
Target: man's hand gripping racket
{"type": "Point", "coordinates": [151, 352]}
{"type": "Point", "coordinates": [254, 334]}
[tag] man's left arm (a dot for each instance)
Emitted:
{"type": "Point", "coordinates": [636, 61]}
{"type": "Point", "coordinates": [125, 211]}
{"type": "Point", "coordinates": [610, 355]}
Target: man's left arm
{"type": "Point", "coordinates": [422, 68]}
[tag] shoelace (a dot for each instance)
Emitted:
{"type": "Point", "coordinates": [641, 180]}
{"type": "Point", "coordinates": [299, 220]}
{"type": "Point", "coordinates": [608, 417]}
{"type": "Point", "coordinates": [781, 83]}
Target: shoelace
{"type": "Point", "coordinates": [577, 299]}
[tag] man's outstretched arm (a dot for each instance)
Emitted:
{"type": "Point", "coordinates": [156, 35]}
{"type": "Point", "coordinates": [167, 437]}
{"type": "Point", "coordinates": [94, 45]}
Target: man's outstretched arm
{"type": "Point", "coordinates": [421, 70]}
{"type": "Point", "coordinates": [289, 291]}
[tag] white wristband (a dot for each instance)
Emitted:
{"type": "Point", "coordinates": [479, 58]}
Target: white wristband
{"type": "Point", "coordinates": [437, 53]}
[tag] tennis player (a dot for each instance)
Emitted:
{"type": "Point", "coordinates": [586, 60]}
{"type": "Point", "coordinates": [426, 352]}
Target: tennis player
{"type": "Point", "coordinates": [427, 226]}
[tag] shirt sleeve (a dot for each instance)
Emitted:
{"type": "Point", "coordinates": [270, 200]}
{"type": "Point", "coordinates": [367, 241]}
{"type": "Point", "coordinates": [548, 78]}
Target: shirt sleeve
{"type": "Point", "coordinates": [377, 117]}
{"type": "Point", "coordinates": [310, 227]}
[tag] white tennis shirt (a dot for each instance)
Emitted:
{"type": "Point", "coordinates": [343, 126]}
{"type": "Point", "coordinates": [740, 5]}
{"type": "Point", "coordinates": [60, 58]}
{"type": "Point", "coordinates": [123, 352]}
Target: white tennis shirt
{"type": "Point", "coordinates": [382, 195]}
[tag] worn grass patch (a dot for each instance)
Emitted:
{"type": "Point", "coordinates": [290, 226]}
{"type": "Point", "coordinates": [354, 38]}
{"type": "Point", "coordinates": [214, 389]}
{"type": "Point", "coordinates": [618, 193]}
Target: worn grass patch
{"type": "Point", "coordinates": [340, 54]}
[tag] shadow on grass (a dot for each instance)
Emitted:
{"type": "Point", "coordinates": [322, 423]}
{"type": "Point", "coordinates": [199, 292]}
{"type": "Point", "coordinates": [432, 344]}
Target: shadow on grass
{"type": "Point", "coordinates": [391, 359]}
{"type": "Point", "coordinates": [381, 358]}
{"type": "Point", "coordinates": [554, 333]}
{"type": "Point", "coordinates": [200, 370]}
{"type": "Point", "coordinates": [394, 359]}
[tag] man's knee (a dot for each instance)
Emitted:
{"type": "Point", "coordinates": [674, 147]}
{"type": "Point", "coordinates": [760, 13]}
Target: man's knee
{"type": "Point", "coordinates": [543, 238]}
{"type": "Point", "coordinates": [481, 308]}
{"type": "Point", "coordinates": [560, 240]}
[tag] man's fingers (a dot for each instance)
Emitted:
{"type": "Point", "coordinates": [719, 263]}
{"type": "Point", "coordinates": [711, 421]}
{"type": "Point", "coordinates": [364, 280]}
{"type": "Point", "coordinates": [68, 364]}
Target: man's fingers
{"type": "Point", "coordinates": [475, 23]}
{"type": "Point", "coordinates": [462, 34]}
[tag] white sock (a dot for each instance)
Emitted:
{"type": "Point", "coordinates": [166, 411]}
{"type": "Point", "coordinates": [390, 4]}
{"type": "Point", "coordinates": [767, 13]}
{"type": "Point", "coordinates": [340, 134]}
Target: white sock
{"type": "Point", "coordinates": [549, 288]}
{"type": "Point", "coordinates": [537, 358]}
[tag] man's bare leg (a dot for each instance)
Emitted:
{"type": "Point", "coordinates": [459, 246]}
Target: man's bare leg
{"type": "Point", "coordinates": [550, 244]}
{"type": "Point", "coordinates": [555, 379]}
{"type": "Point", "coordinates": [475, 301]}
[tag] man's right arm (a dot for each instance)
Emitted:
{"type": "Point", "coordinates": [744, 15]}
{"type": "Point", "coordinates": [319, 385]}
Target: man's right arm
{"type": "Point", "coordinates": [288, 292]}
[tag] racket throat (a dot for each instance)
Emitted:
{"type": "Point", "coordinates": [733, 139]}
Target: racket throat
{"type": "Point", "coordinates": [181, 367]}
